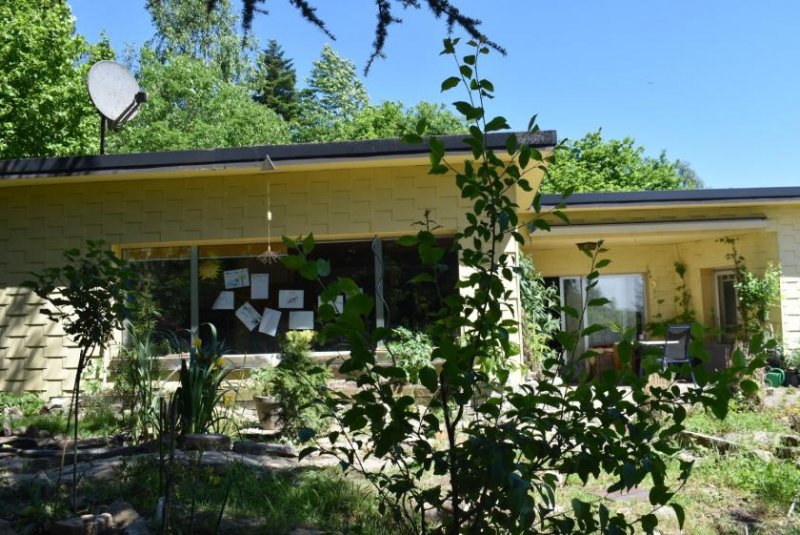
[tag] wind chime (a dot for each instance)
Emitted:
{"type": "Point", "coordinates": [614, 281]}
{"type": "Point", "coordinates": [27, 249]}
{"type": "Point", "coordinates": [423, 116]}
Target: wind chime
{"type": "Point", "coordinates": [269, 256]}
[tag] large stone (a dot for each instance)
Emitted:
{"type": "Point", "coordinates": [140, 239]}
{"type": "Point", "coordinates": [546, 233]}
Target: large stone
{"type": "Point", "coordinates": [207, 442]}
{"type": "Point", "coordinates": [785, 452]}
{"type": "Point", "coordinates": [250, 447]}
{"type": "Point", "coordinates": [710, 441]}
{"type": "Point", "coordinates": [790, 441]}
{"type": "Point", "coordinates": [122, 514]}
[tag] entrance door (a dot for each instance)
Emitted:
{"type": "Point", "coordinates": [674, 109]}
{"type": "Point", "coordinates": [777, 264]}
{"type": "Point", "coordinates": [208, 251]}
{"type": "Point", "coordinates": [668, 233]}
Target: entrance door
{"type": "Point", "coordinates": [727, 310]}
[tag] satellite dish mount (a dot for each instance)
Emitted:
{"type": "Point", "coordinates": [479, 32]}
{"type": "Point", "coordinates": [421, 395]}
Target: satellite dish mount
{"type": "Point", "coordinates": [116, 95]}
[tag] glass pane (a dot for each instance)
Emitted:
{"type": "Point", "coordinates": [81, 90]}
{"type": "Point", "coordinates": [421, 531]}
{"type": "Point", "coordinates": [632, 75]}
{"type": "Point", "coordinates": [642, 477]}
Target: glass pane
{"type": "Point", "coordinates": [625, 310]}
{"type": "Point", "coordinates": [413, 305]}
{"type": "Point", "coordinates": [351, 259]}
{"type": "Point", "coordinates": [728, 316]}
{"type": "Point", "coordinates": [165, 286]}
{"type": "Point", "coordinates": [573, 297]}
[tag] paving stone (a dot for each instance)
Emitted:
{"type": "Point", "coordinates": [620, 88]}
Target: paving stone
{"type": "Point", "coordinates": [264, 448]}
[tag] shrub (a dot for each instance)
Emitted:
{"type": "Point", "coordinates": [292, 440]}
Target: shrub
{"type": "Point", "coordinates": [298, 384]}
{"type": "Point", "coordinates": [411, 351]}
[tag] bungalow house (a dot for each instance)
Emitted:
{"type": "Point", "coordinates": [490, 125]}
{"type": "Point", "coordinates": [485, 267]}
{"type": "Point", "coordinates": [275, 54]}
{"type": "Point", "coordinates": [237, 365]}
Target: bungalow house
{"type": "Point", "coordinates": [204, 226]}
{"type": "Point", "coordinates": [667, 254]}
{"type": "Point", "coordinates": [196, 224]}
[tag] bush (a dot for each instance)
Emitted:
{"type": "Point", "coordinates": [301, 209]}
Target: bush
{"type": "Point", "coordinates": [411, 351]}
{"type": "Point", "coordinates": [29, 404]}
{"type": "Point", "coordinates": [298, 385]}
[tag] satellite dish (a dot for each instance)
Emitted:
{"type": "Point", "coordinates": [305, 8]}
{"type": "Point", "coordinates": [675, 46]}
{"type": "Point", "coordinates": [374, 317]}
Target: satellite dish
{"type": "Point", "coordinates": [115, 93]}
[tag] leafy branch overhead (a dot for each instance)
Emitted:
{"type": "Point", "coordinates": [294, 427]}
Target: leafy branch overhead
{"type": "Point", "coordinates": [441, 9]}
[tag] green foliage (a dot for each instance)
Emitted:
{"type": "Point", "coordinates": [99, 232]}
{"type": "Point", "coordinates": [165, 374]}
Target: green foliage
{"type": "Point", "coordinates": [335, 107]}
{"type": "Point", "coordinates": [275, 82]}
{"type": "Point", "coordinates": [28, 403]}
{"type": "Point", "coordinates": [262, 500]}
{"type": "Point", "coordinates": [332, 99]}
{"type": "Point", "coordinates": [506, 444]}
{"type": "Point", "coordinates": [411, 351]}
{"type": "Point", "coordinates": [755, 295]}
{"type": "Point", "coordinates": [137, 378]}
{"type": "Point", "coordinates": [738, 421]}
{"type": "Point", "coordinates": [299, 384]}
{"type": "Point", "coordinates": [200, 392]}
{"type": "Point", "coordinates": [44, 107]}
{"type": "Point", "coordinates": [775, 483]}
{"type": "Point", "coordinates": [540, 321]}
{"type": "Point", "coordinates": [88, 294]}
{"type": "Point", "coordinates": [261, 380]}
{"type": "Point", "coordinates": [212, 36]}
{"type": "Point", "coordinates": [593, 164]}
{"type": "Point", "coordinates": [683, 297]}
{"type": "Point", "coordinates": [191, 106]}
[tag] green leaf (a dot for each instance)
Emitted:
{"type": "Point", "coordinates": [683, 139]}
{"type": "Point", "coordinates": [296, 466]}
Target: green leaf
{"type": "Point", "coordinates": [429, 378]}
{"type": "Point", "coordinates": [450, 83]}
{"type": "Point", "coordinates": [407, 241]}
{"type": "Point", "coordinates": [749, 386]}
{"type": "Point", "coordinates": [498, 123]}
{"type": "Point", "coordinates": [680, 514]}
{"type": "Point", "coordinates": [649, 523]}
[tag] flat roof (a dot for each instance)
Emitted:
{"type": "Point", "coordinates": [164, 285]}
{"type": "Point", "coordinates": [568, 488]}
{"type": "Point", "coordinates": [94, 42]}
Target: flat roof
{"type": "Point", "coordinates": [344, 150]}
{"type": "Point", "coordinates": [655, 198]}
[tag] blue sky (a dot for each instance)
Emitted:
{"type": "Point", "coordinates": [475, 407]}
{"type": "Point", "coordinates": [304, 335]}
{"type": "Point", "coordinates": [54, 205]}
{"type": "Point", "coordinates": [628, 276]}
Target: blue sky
{"type": "Point", "coordinates": [714, 83]}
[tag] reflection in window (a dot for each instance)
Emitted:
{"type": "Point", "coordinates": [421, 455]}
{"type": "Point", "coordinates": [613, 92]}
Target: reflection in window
{"type": "Point", "coordinates": [623, 312]}
{"type": "Point", "coordinates": [164, 290]}
{"type": "Point", "coordinates": [225, 284]}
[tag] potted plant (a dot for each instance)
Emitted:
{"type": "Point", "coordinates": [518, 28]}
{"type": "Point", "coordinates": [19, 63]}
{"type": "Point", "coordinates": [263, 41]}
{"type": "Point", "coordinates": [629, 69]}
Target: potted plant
{"type": "Point", "coordinates": [791, 363]}
{"type": "Point", "coordinates": [262, 383]}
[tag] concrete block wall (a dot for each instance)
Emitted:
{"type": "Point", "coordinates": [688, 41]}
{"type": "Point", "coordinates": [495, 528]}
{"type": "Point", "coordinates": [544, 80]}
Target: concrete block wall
{"type": "Point", "coordinates": [786, 222]}
{"type": "Point", "coordinates": [38, 222]}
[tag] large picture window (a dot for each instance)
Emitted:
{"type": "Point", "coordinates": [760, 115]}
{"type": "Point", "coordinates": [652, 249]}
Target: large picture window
{"type": "Point", "coordinates": [624, 311]}
{"type": "Point", "coordinates": [252, 303]}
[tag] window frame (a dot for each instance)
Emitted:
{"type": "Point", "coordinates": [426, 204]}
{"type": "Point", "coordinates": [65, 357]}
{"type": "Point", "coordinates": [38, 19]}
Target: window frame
{"type": "Point", "coordinates": [376, 245]}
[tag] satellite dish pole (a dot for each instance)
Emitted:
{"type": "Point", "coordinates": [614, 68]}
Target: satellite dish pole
{"type": "Point", "coordinates": [116, 95]}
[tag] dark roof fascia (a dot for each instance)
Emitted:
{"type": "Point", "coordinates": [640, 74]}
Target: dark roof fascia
{"type": "Point", "coordinates": [82, 165]}
{"type": "Point", "coordinates": [655, 198]}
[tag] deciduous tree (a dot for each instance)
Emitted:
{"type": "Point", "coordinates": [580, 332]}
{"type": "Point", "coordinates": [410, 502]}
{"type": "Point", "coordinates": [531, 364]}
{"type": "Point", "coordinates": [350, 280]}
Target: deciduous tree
{"type": "Point", "coordinates": [191, 106]}
{"type": "Point", "coordinates": [45, 109]}
{"type": "Point", "coordinates": [594, 164]}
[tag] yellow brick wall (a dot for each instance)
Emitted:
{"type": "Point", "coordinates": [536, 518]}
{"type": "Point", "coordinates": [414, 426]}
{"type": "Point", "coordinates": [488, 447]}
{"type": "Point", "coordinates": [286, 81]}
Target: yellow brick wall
{"type": "Point", "coordinates": [38, 222]}
{"type": "Point", "coordinates": [657, 263]}
{"type": "Point", "coordinates": [785, 220]}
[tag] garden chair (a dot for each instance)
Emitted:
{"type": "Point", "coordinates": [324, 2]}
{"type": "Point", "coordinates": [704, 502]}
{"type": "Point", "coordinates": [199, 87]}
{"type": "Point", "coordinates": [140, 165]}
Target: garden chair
{"type": "Point", "coordinates": [676, 346]}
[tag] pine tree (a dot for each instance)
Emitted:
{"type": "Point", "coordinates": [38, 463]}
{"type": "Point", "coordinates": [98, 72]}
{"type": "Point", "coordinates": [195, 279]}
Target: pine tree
{"type": "Point", "coordinates": [275, 81]}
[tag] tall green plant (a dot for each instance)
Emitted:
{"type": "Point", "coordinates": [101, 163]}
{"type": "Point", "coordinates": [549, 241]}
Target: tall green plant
{"type": "Point", "coordinates": [201, 385]}
{"type": "Point", "coordinates": [506, 444]}
{"type": "Point", "coordinates": [88, 296]}
{"type": "Point", "coordinates": [755, 295]}
{"type": "Point", "coordinates": [540, 319]}
{"type": "Point", "coordinates": [298, 384]}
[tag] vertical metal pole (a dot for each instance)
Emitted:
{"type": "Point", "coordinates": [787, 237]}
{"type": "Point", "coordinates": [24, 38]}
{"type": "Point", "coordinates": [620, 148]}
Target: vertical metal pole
{"type": "Point", "coordinates": [194, 304]}
{"type": "Point", "coordinates": [102, 134]}
{"type": "Point", "coordinates": [380, 304]}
